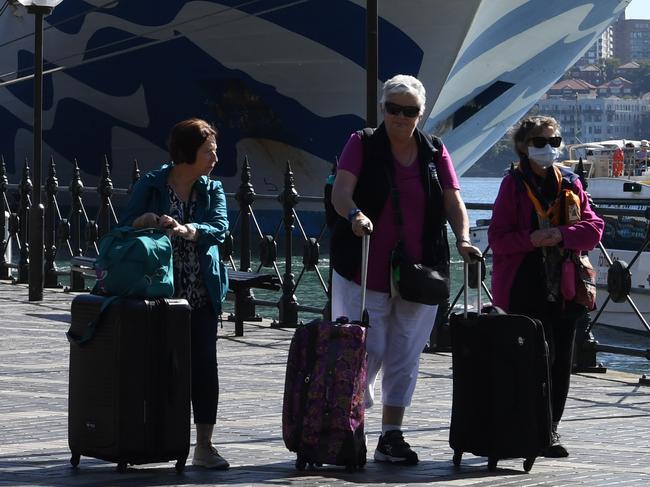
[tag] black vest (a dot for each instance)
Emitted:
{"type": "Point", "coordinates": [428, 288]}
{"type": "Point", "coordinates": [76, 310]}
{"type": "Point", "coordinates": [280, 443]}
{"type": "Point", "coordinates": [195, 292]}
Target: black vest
{"type": "Point", "coordinates": [372, 191]}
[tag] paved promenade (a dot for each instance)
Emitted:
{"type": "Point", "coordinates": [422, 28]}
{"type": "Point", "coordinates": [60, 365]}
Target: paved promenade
{"type": "Point", "coordinates": [606, 427]}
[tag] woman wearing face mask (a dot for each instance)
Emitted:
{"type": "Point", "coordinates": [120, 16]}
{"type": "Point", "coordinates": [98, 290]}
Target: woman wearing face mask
{"type": "Point", "coordinates": [528, 234]}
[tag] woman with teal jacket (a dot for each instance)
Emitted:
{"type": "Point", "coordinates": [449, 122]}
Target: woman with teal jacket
{"type": "Point", "coordinates": [182, 199]}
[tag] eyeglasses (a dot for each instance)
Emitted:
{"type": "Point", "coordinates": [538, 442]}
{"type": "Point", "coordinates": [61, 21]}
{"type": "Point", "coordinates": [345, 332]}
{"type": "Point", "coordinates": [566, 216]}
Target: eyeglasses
{"type": "Point", "coordinates": [395, 109]}
{"type": "Point", "coordinates": [541, 142]}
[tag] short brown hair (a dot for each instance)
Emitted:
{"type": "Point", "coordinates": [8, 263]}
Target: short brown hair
{"type": "Point", "coordinates": [186, 137]}
{"type": "Point", "coordinates": [521, 132]}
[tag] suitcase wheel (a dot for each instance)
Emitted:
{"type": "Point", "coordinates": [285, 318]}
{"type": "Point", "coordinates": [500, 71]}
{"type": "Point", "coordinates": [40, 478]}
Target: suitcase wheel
{"type": "Point", "coordinates": [74, 459]}
{"type": "Point", "coordinates": [458, 456]}
{"type": "Point", "coordinates": [121, 467]}
{"type": "Point", "coordinates": [528, 464]}
{"type": "Point", "coordinates": [492, 464]}
{"type": "Point", "coordinates": [180, 465]}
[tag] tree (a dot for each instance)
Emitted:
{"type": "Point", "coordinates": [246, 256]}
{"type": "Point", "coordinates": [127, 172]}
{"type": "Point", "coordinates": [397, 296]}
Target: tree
{"type": "Point", "coordinates": [608, 67]}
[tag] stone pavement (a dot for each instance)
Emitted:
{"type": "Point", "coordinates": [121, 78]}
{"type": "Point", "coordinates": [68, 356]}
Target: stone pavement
{"type": "Point", "coordinates": [606, 426]}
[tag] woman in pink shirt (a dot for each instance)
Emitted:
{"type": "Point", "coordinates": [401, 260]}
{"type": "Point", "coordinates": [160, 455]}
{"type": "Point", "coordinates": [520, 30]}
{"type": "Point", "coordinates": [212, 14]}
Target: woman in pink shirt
{"type": "Point", "coordinates": [528, 248]}
{"type": "Point", "coordinates": [428, 196]}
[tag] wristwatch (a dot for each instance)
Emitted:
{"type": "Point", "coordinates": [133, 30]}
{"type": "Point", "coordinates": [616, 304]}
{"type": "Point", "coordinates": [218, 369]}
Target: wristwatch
{"type": "Point", "coordinates": [352, 213]}
{"type": "Point", "coordinates": [461, 240]}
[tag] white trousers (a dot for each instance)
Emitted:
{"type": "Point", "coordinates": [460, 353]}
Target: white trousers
{"type": "Point", "coordinates": [398, 332]}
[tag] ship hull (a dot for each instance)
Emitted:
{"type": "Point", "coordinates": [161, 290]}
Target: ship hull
{"type": "Point", "coordinates": [282, 80]}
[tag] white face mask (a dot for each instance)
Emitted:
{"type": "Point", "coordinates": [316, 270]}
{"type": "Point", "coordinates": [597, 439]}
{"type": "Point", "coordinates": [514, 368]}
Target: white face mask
{"type": "Point", "coordinates": [545, 156]}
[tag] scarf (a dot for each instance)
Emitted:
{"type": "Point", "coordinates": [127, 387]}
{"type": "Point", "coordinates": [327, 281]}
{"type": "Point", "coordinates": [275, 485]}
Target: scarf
{"type": "Point", "coordinates": [549, 215]}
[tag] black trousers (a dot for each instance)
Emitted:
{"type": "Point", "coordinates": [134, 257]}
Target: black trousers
{"type": "Point", "coordinates": [205, 377]}
{"type": "Point", "coordinates": [528, 297]}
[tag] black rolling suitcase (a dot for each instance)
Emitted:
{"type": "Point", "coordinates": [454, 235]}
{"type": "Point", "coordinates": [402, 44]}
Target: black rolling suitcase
{"type": "Point", "coordinates": [129, 386]}
{"type": "Point", "coordinates": [501, 396]}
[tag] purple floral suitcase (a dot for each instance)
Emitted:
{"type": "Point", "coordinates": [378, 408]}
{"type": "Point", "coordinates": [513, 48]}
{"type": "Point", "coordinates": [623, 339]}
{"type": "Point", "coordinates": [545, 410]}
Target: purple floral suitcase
{"type": "Point", "coordinates": [324, 390]}
{"type": "Point", "coordinates": [323, 411]}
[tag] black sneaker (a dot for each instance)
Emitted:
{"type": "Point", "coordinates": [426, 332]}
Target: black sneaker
{"type": "Point", "coordinates": [556, 450]}
{"type": "Point", "coordinates": [393, 449]}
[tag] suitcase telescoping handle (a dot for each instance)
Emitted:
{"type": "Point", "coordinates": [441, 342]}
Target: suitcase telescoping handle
{"type": "Point", "coordinates": [365, 248]}
{"type": "Point", "coordinates": [466, 265]}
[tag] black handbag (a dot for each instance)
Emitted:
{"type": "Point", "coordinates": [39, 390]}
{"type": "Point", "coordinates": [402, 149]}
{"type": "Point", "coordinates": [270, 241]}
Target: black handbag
{"type": "Point", "coordinates": [417, 282]}
{"type": "Point", "coordinates": [412, 281]}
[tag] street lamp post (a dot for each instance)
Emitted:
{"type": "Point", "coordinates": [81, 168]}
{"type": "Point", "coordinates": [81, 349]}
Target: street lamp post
{"type": "Point", "coordinates": [372, 62]}
{"type": "Point", "coordinates": [40, 8]}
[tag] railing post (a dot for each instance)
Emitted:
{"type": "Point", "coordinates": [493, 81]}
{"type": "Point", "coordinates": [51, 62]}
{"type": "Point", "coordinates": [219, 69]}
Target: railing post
{"type": "Point", "coordinates": [135, 175]}
{"type": "Point", "coordinates": [105, 190]}
{"type": "Point", "coordinates": [51, 188]}
{"type": "Point", "coordinates": [77, 283]}
{"type": "Point", "coordinates": [440, 338]}
{"type": "Point", "coordinates": [91, 236]}
{"type": "Point", "coordinates": [4, 215]}
{"type": "Point", "coordinates": [244, 298]}
{"type": "Point", "coordinates": [25, 190]}
{"type": "Point", "coordinates": [288, 306]}
{"type": "Point", "coordinates": [585, 348]}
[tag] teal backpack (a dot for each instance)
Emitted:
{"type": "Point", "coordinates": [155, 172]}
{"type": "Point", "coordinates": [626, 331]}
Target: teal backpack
{"type": "Point", "coordinates": [135, 263]}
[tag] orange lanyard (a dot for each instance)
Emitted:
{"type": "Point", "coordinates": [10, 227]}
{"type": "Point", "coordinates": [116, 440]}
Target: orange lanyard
{"type": "Point", "coordinates": [544, 214]}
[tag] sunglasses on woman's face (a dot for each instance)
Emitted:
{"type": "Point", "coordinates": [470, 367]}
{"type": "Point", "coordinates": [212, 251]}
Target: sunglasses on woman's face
{"type": "Point", "coordinates": [395, 109]}
{"type": "Point", "coordinates": [541, 142]}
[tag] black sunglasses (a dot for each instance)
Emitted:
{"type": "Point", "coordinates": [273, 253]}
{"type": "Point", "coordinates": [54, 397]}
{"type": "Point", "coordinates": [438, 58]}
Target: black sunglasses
{"type": "Point", "coordinates": [395, 109]}
{"type": "Point", "coordinates": [541, 142]}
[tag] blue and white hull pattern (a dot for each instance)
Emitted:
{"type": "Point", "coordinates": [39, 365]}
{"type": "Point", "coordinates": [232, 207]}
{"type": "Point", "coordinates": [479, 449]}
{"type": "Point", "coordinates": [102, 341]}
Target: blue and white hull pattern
{"type": "Point", "coordinates": [282, 80]}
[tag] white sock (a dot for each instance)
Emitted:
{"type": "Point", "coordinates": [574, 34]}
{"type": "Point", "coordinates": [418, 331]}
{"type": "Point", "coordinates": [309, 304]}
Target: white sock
{"type": "Point", "coordinates": [390, 427]}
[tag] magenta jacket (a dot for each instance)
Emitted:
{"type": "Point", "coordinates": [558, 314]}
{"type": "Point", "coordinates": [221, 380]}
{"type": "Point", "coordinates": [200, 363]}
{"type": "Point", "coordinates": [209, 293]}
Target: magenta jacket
{"type": "Point", "coordinates": [510, 229]}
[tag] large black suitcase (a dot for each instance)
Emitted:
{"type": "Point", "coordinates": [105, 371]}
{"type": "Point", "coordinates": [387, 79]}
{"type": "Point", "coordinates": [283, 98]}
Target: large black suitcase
{"type": "Point", "coordinates": [501, 391]}
{"type": "Point", "coordinates": [129, 385]}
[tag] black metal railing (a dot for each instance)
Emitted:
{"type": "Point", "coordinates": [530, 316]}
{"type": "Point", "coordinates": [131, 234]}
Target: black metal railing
{"type": "Point", "coordinates": [78, 234]}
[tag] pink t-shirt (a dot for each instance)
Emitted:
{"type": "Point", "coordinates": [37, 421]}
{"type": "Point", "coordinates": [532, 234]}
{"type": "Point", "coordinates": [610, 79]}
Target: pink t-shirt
{"type": "Point", "coordinates": [412, 203]}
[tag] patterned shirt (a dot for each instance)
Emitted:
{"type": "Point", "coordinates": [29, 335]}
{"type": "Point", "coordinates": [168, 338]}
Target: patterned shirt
{"type": "Point", "coordinates": [188, 283]}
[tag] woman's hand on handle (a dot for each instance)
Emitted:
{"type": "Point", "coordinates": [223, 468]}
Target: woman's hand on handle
{"type": "Point", "coordinates": [361, 225]}
{"type": "Point", "coordinates": [468, 252]}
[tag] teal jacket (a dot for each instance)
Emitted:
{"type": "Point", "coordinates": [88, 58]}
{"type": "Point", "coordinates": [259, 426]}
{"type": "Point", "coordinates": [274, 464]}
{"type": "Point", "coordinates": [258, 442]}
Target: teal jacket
{"type": "Point", "coordinates": [211, 222]}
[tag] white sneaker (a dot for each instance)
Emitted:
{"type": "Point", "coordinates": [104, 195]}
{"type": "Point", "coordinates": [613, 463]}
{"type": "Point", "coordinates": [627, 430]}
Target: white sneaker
{"type": "Point", "coordinates": [209, 457]}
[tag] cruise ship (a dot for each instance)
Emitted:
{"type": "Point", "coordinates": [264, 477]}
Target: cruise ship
{"type": "Point", "coordinates": [282, 80]}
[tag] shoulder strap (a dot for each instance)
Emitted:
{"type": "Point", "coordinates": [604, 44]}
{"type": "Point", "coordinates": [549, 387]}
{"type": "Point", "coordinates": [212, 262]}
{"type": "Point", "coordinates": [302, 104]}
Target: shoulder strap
{"type": "Point", "coordinates": [365, 135]}
{"type": "Point", "coordinates": [568, 178]}
{"type": "Point", "coordinates": [436, 141]}
{"type": "Point", "coordinates": [89, 330]}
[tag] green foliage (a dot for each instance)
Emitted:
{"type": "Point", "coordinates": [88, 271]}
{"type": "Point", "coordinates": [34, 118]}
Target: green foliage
{"type": "Point", "coordinates": [608, 67]}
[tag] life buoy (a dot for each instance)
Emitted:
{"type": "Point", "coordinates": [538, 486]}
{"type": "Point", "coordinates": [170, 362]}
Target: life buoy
{"type": "Point", "coordinates": [619, 281]}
